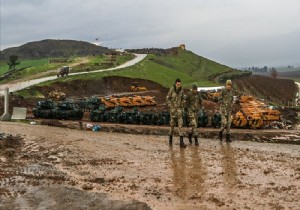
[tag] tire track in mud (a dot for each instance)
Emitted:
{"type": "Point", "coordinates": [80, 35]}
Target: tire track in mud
{"type": "Point", "coordinates": [22, 169]}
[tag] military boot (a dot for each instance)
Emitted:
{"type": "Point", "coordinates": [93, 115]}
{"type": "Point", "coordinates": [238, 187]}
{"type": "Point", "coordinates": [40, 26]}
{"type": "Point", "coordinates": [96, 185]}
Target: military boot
{"type": "Point", "coordinates": [221, 135]}
{"type": "Point", "coordinates": [196, 141]}
{"type": "Point", "coordinates": [181, 142]}
{"type": "Point", "coordinates": [228, 137]}
{"type": "Point", "coordinates": [190, 138]}
{"type": "Point", "coordinates": [170, 140]}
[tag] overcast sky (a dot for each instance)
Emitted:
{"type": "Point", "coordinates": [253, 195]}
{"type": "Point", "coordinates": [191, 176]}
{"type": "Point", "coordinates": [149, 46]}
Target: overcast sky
{"type": "Point", "coordinates": [236, 33]}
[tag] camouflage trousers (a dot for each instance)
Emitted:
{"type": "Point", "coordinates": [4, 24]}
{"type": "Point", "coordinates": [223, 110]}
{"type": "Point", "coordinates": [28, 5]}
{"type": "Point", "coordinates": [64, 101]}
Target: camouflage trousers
{"type": "Point", "coordinates": [226, 121]}
{"type": "Point", "coordinates": [176, 118]}
{"type": "Point", "coordinates": [193, 122]}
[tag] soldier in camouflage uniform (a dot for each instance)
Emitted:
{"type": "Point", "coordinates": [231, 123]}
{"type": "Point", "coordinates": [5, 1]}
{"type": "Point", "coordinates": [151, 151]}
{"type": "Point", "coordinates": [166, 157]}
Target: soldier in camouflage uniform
{"type": "Point", "coordinates": [193, 105]}
{"type": "Point", "coordinates": [226, 101]}
{"type": "Point", "coordinates": [175, 101]}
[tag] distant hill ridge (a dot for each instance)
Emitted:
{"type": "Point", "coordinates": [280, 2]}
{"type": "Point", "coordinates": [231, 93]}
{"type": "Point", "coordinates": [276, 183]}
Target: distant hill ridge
{"type": "Point", "coordinates": [51, 48]}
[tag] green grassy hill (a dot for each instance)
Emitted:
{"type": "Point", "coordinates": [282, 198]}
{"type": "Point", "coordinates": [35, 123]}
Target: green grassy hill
{"type": "Point", "coordinates": [165, 69]}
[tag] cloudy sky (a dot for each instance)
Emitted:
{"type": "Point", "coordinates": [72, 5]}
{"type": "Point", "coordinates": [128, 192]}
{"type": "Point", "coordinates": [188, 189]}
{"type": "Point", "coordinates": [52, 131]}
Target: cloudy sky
{"type": "Point", "coordinates": [236, 33]}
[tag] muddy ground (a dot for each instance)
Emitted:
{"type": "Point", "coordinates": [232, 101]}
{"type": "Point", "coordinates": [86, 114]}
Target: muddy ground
{"type": "Point", "coordinates": [56, 165]}
{"type": "Point", "coordinates": [46, 167]}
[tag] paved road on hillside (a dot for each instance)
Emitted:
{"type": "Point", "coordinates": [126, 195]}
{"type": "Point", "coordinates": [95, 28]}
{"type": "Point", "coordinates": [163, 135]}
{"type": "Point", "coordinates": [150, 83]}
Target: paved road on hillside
{"type": "Point", "coordinates": [25, 84]}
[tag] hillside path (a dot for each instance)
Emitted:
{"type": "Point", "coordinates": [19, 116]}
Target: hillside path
{"type": "Point", "coordinates": [24, 84]}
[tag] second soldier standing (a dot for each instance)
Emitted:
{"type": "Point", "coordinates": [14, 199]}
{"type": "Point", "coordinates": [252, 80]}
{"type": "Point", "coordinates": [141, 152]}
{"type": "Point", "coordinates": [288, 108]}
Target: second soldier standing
{"type": "Point", "coordinates": [193, 105]}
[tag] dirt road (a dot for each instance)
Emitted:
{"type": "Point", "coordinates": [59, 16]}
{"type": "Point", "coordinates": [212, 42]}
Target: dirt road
{"type": "Point", "coordinates": [59, 168]}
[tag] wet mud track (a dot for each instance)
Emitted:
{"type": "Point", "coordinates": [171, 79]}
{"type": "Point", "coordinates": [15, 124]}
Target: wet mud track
{"type": "Point", "coordinates": [61, 168]}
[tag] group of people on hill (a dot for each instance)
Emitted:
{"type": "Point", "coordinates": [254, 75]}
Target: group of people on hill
{"type": "Point", "coordinates": [177, 102]}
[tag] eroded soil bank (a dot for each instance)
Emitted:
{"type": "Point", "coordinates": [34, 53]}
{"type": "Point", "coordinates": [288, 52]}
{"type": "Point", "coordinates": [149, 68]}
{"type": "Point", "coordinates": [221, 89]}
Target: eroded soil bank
{"type": "Point", "coordinates": [60, 168]}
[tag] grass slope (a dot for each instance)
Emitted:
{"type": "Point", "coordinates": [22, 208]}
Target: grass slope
{"type": "Point", "coordinates": [32, 67]}
{"type": "Point", "coordinates": [187, 66]}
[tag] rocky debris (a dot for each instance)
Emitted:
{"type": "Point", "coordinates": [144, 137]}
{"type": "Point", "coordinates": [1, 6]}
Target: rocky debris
{"type": "Point", "coordinates": [9, 144]}
{"type": "Point", "coordinates": [287, 138]}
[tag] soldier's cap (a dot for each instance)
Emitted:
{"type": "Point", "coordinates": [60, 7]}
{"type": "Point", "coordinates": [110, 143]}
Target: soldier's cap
{"type": "Point", "coordinates": [194, 86]}
{"type": "Point", "coordinates": [229, 82]}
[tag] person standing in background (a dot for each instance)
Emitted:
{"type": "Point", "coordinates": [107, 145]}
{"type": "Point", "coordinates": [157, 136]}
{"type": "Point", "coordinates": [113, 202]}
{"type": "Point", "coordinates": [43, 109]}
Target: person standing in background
{"type": "Point", "coordinates": [193, 105]}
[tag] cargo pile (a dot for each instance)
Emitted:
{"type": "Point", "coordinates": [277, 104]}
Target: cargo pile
{"type": "Point", "coordinates": [254, 114]}
{"type": "Point", "coordinates": [57, 95]}
{"type": "Point", "coordinates": [118, 115]}
{"type": "Point", "coordinates": [62, 110]}
{"type": "Point", "coordinates": [128, 101]}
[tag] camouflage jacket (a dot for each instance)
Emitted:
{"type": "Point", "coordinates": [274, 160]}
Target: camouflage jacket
{"type": "Point", "coordinates": [175, 98]}
{"type": "Point", "coordinates": [226, 99]}
{"type": "Point", "coordinates": [193, 101]}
